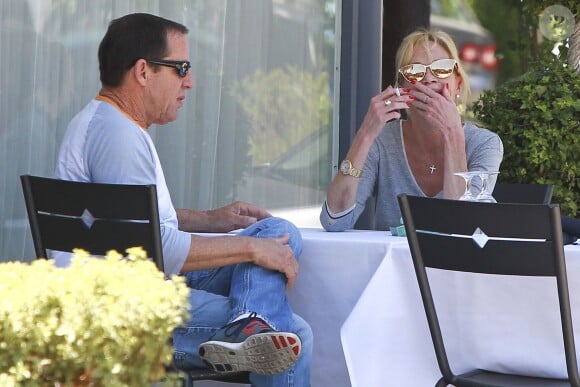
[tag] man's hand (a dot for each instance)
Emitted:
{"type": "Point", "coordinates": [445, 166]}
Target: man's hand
{"type": "Point", "coordinates": [270, 253]}
{"type": "Point", "coordinates": [224, 219]}
{"type": "Point", "coordinates": [275, 254]}
{"type": "Point", "coordinates": [234, 216]}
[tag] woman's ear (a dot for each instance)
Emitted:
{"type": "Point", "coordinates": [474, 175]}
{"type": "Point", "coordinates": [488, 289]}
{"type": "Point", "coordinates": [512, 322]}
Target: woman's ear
{"type": "Point", "coordinates": [459, 84]}
{"type": "Point", "coordinates": [458, 88]}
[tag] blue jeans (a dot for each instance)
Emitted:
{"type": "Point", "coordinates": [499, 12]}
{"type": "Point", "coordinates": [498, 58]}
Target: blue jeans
{"type": "Point", "coordinates": [218, 296]}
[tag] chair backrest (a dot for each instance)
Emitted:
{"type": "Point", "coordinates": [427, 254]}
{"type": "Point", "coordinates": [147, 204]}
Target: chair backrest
{"type": "Point", "coordinates": [523, 193]}
{"type": "Point", "coordinates": [507, 239]}
{"type": "Point", "coordinates": [65, 215]}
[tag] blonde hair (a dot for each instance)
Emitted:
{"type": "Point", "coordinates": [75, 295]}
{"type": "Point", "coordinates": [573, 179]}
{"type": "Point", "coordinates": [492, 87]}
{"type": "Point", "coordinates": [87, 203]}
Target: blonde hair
{"type": "Point", "coordinates": [425, 39]}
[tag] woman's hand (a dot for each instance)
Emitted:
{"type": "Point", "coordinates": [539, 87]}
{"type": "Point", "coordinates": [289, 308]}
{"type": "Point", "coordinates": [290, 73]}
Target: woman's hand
{"type": "Point", "coordinates": [435, 105]}
{"type": "Point", "coordinates": [434, 109]}
{"type": "Point", "coordinates": [385, 107]}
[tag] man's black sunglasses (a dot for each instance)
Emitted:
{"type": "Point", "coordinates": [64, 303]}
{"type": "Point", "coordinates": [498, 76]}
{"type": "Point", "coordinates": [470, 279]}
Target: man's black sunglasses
{"type": "Point", "coordinates": [182, 66]}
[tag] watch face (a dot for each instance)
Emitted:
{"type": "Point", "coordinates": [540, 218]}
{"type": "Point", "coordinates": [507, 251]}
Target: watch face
{"type": "Point", "coordinates": [345, 167]}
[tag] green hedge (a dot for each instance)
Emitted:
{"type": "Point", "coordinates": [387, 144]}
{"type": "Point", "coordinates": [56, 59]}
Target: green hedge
{"type": "Point", "coordinates": [537, 117]}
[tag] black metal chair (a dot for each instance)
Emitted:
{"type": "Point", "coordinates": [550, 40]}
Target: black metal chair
{"type": "Point", "coordinates": [439, 233]}
{"type": "Point", "coordinates": [536, 194]}
{"type": "Point", "coordinates": [65, 215]}
{"type": "Point", "coordinates": [523, 193]}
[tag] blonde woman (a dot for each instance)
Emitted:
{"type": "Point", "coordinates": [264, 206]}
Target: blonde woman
{"type": "Point", "coordinates": [417, 155]}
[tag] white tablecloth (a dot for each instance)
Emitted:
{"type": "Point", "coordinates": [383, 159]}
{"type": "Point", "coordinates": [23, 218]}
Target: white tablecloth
{"type": "Point", "coordinates": [335, 268]}
{"type": "Point", "coordinates": [510, 335]}
{"type": "Point", "coordinates": [358, 291]}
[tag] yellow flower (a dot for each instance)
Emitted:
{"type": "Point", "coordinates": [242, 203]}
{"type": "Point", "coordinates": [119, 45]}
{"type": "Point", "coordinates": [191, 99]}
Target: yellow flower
{"type": "Point", "coordinates": [137, 252]}
{"type": "Point", "coordinates": [108, 319]}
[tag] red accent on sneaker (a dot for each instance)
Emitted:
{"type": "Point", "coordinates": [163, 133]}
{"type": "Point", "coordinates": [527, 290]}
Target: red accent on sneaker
{"type": "Point", "coordinates": [275, 341]}
{"type": "Point", "coordinates": [291, 340]}
{"type": "Point", "coordinates": [296, 350]}
{"type": "Point", "coordinates": [254, 326]}
{"type": "Point", "coordinates": [283, 340]}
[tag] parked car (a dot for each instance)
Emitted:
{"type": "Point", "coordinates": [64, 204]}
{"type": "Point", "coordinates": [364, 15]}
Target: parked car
{"type": "Point", "coordinates": [475, 44]}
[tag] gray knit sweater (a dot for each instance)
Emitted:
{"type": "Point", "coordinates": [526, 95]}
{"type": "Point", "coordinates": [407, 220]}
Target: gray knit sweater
{"type": "Point", "coordinates": [387, 170]}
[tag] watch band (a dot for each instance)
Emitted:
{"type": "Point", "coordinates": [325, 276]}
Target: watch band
{"type": "Point", "coordinates": [354, 172]}
{"type": "Point", "coordinates": [346, 168]}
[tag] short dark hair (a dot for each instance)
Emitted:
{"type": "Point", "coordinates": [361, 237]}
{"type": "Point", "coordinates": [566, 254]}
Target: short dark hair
{"type": "Point", "coordinates": [130, 38]}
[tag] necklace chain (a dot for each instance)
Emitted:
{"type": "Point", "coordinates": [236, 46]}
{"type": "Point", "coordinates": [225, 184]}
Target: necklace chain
{"type": "Point", "coordinates": [432, 168]}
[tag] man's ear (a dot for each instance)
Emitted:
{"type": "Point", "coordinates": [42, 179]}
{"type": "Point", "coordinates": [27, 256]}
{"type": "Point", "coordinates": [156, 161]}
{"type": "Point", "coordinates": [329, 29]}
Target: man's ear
{"type": "Point", "coordinates": [140, 71]}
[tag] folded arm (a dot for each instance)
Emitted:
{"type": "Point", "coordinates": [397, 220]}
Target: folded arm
{"type": "Point", "coordinates": [270, 253]}
{"type": "Point", "coordinates": [224, 219]}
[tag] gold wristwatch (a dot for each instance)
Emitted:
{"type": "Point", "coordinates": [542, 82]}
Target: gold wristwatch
{"type": "Point", "coordinates": [346, 168]}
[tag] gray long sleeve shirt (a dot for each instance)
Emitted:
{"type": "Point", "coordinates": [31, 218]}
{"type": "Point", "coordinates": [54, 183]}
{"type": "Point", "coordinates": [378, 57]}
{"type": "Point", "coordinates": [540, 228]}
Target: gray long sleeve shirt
{"type": "Point", "coordinates": [387, 169]}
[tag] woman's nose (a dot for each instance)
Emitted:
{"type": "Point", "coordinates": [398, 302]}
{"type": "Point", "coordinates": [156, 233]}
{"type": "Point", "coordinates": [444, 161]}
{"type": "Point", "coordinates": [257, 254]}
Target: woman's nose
{"type": "Point", "coordinates": [429, 77]}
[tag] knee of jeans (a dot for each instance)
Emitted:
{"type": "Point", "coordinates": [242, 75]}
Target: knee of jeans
{"type": "Point", "coordinates": [304, 331]}
{"type": "Point", "coordinates": [274, 226]}
{"type": "Point", "coordinates": [295, 235]}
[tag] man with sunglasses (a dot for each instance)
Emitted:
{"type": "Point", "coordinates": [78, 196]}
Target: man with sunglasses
{"type": "Point", "coordinates": [417, 155]}
{"type": "Point", "coordinates": [240, 316]}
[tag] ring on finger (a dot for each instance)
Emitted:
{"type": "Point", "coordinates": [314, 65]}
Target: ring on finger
{"type": "Point", "coordinates": [388, 102]}
{"type": "Point", "coordinates": [425, 99]}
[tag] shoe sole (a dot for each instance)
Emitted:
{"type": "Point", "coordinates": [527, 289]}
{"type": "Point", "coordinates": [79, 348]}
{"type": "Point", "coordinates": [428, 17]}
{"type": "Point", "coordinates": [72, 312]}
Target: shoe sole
{"type": "Point", "coordinates": [263, 353]}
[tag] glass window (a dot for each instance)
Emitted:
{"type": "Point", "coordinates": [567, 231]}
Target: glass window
{"type": "Point", "coordinates": [457, 10]}
{"type": "Point", "coordinates": [257, 126]}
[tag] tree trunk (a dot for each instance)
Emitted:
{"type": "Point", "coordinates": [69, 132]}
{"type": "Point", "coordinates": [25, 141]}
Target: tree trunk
{"type": "Point", "coordinates": [574, 50]}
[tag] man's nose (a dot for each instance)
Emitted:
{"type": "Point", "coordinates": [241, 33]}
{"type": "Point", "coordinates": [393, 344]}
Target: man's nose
{"type": "Point", "coordinates": [189, 81]}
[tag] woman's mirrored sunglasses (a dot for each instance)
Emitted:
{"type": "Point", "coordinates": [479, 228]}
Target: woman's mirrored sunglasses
{"type": "Point", "coordinates": [441, 68]}
{"type": "Point", "coordinates": [182, 66]}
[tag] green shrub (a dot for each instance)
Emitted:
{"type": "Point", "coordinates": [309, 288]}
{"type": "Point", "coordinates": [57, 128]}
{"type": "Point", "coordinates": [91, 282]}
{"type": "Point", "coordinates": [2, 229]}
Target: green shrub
{"type": "Point", "coordinates": [537, 117]}
{"type": "Point", "coordinates": [98, 322]}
